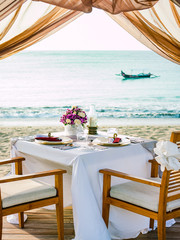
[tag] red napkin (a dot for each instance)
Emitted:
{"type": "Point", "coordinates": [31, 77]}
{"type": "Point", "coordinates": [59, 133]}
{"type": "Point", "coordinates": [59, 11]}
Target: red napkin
{"type": "Point", "coordinates": [52, 139]}
{"type": "Point", "coordinates": [117, 140]}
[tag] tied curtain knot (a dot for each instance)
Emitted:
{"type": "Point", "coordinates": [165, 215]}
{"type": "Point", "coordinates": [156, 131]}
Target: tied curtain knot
{"type": "Point", "coordinates": [111, 6]}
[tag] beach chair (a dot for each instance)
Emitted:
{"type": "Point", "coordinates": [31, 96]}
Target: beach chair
{"type": "Point", "coordinates": [20, 193]}
{"type": "Point", "coordinates": [160, 199]}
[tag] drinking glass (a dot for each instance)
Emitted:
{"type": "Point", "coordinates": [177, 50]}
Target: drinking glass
{"type": "Point", "coordinates": [111, 132]}
{"type": "Point", "coordinates": [82, 140]}
{"type": "Point", "coordinates": [82, 137]}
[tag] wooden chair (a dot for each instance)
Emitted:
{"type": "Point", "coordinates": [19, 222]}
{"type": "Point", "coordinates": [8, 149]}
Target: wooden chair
{"type": "Point", "coordinates": [21, 193]}
{"type": "Point", "coordinates": [175, 138]}
{"type": "Point", "coordinates": [162, 204]}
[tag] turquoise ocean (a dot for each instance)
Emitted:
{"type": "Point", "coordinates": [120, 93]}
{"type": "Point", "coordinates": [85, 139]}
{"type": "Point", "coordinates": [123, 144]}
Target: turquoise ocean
{"type": "Point", "coordinates": [37, 87]}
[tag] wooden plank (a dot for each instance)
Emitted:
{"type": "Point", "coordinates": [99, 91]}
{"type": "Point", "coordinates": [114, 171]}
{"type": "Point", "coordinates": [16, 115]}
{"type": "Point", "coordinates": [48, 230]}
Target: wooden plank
{"type": "Point", "coordinates": [42, 225]}
{"type": "Point", "coordinates": [132, 208]}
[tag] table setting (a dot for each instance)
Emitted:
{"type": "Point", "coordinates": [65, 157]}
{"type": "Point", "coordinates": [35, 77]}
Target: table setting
{"type": "Point", "coordinates": [81, 131]}
{"type": "Point", "coordinates": [82, 140]}
{"type": "Point", "coordinates": [82, 155]}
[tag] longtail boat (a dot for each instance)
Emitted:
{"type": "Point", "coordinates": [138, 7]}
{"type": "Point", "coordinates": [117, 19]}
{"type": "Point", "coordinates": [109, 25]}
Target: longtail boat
{"type": "Point", "coordinates": [140, 75]}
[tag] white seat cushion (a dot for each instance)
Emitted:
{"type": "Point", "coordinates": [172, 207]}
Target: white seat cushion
{"type": "Point", "coordinates": [142, 195]}
{"type": "Point", "coordinates": [18, 192]}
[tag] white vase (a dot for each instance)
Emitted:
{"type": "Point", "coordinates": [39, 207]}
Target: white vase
{"type": "Point", "coordinates": [70, 130]}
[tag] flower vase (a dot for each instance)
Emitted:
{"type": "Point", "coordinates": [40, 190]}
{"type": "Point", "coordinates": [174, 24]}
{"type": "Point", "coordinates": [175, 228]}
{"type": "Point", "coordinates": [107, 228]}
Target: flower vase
{"type": "Point", "coordinates": [71, 131]}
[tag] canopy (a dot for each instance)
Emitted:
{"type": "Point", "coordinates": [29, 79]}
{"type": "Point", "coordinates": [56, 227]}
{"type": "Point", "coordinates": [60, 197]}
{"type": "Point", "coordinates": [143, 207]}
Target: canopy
{"type": "Point", "coordinates": [155, 23]}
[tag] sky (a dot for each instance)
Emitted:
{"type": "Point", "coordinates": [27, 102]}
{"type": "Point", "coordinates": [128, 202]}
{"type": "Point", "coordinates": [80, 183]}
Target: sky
{"type": "Point", "coordinates": [91, 31]}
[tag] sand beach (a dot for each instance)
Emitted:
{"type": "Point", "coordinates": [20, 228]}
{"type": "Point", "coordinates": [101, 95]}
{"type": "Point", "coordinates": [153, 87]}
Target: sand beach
{"type": "Point", "coordinates": [6, 133]}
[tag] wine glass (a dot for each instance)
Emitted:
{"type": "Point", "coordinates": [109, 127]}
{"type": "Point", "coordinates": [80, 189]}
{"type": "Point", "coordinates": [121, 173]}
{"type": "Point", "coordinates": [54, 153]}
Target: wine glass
{"type": "Point", "coordinates": [111, 132]}
{"type": "Point", "coordinates": [82, 137]}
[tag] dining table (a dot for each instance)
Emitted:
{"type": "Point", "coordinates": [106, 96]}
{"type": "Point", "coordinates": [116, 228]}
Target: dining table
{"type": "Point", "coordinates": [83, 184]}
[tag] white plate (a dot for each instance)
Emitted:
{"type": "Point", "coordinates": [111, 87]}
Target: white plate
{"type": "Point", "coordinates": [103, 141]}
{"type": "Point", "coordinates": [65, 140]}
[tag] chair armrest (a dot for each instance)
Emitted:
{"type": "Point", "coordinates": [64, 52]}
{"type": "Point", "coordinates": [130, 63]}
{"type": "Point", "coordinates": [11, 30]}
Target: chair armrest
{"type": "Point", "coordinates": [34, 175]}
{"type": "Point", "coordinates": [12, 160]}
{"type": "Point", "coordinates": [129, 177]}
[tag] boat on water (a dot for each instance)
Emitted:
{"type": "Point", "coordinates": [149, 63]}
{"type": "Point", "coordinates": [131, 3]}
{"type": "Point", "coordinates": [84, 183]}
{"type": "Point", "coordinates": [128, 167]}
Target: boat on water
{"type": "Point", "coordinates": [133, 76]}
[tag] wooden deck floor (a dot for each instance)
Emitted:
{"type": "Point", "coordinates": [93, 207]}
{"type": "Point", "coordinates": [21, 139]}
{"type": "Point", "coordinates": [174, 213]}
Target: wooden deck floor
{"type": "Point", "coordinates": [41, 224]}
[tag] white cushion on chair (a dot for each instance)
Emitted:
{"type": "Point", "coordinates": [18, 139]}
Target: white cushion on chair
{"type": "Point", "coordinates": [142, 195]}
{"type": "Point", "coordinates": [18, 192]}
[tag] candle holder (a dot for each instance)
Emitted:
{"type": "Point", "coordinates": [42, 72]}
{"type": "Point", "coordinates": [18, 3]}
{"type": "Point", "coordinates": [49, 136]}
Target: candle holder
{"type": "Point", "coordinates": [92, 130]}
{"type": "Point", "coordinates": [92, 121]}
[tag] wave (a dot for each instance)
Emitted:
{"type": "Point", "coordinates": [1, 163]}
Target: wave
{"type": "Point", "coordinates": [102, 112]}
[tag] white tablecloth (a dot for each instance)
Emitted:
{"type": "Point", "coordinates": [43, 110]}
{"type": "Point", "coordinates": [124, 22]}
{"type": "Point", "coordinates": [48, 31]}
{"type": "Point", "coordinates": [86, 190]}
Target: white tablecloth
{"type": "Point", "coordinates": [83, 184]}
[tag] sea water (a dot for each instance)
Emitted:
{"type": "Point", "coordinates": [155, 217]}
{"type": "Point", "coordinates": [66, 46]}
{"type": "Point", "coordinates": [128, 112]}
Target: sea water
{"type": "Point", "coordinates": [39, 86]}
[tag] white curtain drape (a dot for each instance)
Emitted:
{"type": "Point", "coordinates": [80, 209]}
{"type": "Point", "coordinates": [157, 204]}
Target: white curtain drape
{"type": "Point", "coordinates": [30, 23]}
{"type": "Point", "coordinates": [25, 22]}
{"type": "Point", "coordinates": [158, 28]}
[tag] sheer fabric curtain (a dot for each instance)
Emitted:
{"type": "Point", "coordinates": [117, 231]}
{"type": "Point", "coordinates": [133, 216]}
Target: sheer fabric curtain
{"type": "Point", "coordinates": [24, 23]}
{"type": "Point", "coordinates": [8, 6]}
{"type": "Point", "coordinates": [111, 6]}
{"type": "Point", "coordinates": [177, 2]}
{"type": "Point", "coordinates": [29, 23]}
{"type": "Point", "coordinates": [158, 28]}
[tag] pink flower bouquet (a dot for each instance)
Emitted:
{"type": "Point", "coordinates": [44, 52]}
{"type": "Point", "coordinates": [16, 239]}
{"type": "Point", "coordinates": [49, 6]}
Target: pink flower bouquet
{"type": "Point", "coordinates": [75, 116]}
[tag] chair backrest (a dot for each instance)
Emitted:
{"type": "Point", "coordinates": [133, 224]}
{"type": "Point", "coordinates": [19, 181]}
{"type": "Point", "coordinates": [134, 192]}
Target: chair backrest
{"type": "Point", "coordinates": [170, 190]}
{"type": "Point", "coordinates": [175, 137]}
{"type": "Point", "coordinates": [174, 186]}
